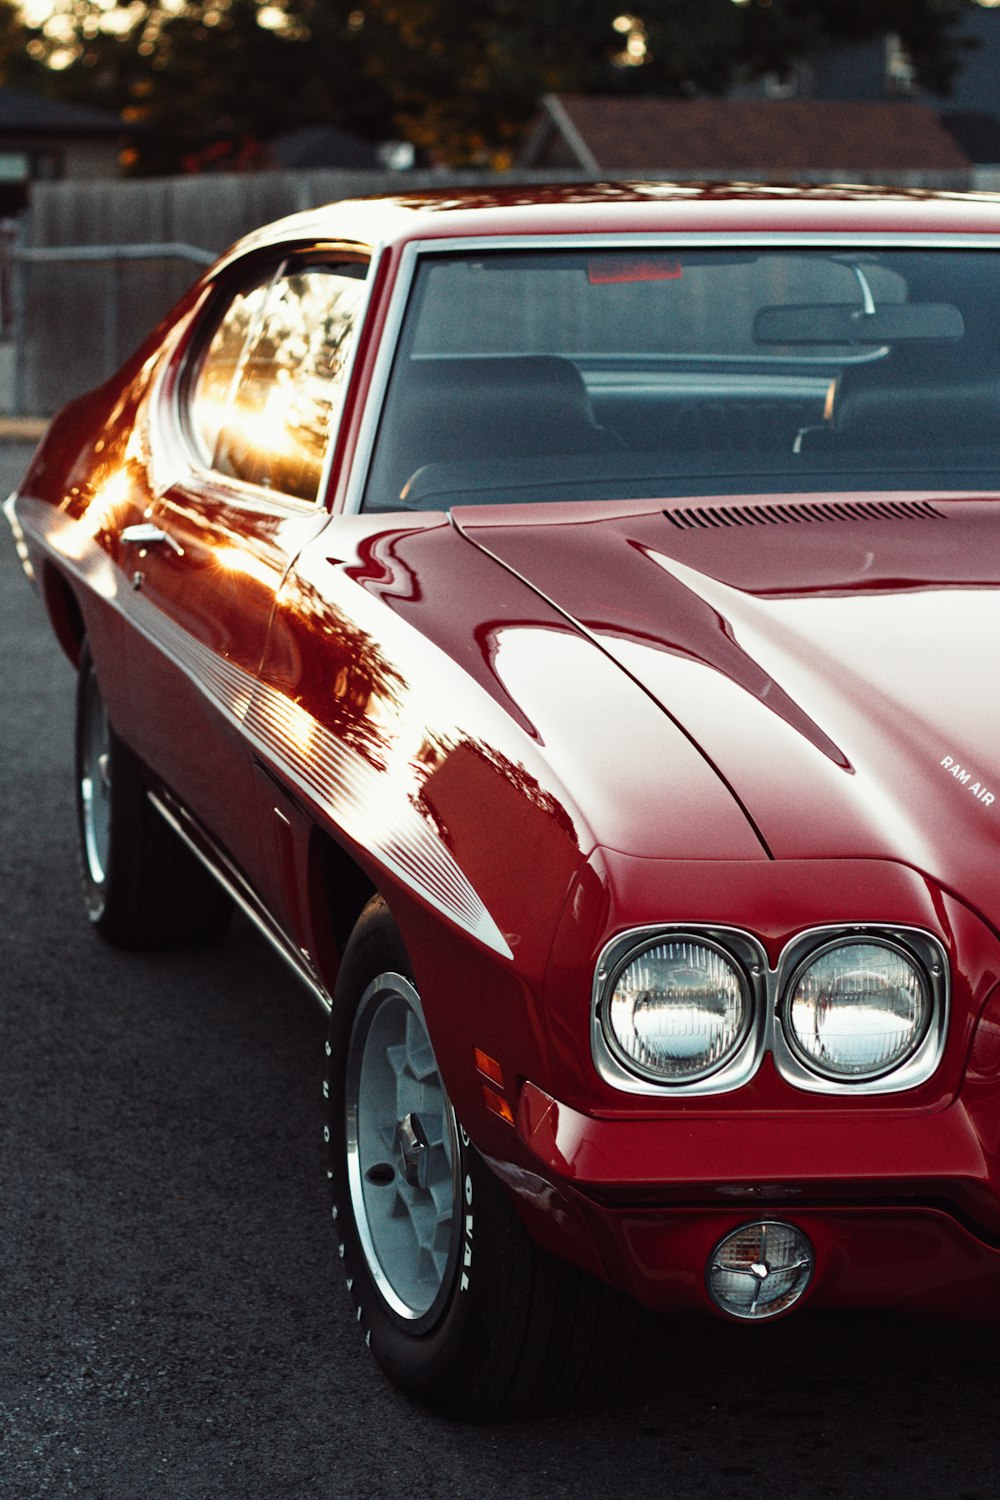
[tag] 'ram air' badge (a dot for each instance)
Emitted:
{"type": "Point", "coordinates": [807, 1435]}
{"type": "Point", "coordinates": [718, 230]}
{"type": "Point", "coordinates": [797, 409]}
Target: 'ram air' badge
{"type": "Point", "coordinates": [965, 778]}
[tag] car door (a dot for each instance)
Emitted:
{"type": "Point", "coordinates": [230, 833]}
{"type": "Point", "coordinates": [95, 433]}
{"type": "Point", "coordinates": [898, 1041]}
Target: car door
{"type": "Point", "coordinates": [253, 406]}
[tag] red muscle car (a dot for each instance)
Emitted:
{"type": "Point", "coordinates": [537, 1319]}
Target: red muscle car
{"type": "Point", "coordinates": [563, 621]}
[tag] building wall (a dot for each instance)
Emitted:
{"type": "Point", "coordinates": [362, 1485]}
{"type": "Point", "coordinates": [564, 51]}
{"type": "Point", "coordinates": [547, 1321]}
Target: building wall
{"type": "Point", "coordinates": [90, 159]}
{"type": "Point", "coordinates": [861, 71]}
{"type": "Point", "coordinates": [977, 86]}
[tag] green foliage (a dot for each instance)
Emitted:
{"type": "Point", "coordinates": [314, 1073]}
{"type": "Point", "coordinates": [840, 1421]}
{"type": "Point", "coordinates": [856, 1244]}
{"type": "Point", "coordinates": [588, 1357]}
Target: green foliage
{"type": "Point", "coordinates": [18, 69]}
{"type": "Point", "coordinates": [208, 81]}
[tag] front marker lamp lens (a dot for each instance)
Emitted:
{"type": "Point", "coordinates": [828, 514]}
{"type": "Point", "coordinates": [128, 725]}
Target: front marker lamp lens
{"type": "Point", "coordinates": [760, 1270]}
{"type": "Point", "coordinates": [857, 1010]}
{"type": "Point", "coordinates": [677, 1010]}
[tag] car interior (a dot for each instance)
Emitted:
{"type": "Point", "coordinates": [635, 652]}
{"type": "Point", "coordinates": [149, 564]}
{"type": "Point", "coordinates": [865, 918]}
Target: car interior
{"type": "Point", "coordinates": [893, 385]}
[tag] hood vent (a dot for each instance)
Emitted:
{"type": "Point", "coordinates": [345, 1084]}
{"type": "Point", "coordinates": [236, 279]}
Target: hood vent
{"type": "Point", "coordinates": [705, 517]}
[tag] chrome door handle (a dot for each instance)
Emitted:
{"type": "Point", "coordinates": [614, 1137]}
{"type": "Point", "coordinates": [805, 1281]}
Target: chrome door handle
{"type": "Point", "coordinates": [145, 534]}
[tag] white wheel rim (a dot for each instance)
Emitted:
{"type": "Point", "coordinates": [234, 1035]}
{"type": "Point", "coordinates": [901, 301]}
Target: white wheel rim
{"type": "Point", "coordinates": [95, 782]}
{"type": "Point", "coordinates": [402, 1155]}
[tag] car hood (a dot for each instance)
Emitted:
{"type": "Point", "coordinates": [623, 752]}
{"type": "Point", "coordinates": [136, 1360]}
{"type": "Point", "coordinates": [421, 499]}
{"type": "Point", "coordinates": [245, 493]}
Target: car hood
{"type": "Point", "coordinates": [832, 657]}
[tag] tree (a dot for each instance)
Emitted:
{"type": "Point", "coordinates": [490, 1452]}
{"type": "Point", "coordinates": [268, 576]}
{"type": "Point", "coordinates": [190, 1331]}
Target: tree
{"type": "Point", "coordinates": [754, 37]}
{"type": "Point", "coordinates": [211, 80]}
{"type": "Point", "coordinates": [465, 80]}
{"type": "Point", "coordinates": [18, 68]}
{"type": "Point", "coordinates": [461, 81]}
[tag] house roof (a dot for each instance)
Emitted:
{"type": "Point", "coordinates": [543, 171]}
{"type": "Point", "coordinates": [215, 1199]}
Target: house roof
{"type": "Point", "coordinates": [23, 113]}
{"type": "Point", "coordinates": [619, 134]}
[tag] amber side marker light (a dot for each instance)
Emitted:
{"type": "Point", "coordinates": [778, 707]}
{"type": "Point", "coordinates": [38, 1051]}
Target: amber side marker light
{"type": "Point", "coordinates": [497, 1103]}
{"type": "Point", "coordinates": [489, 1067]}
{"type": "Point", "coordinates": [493, 1097]}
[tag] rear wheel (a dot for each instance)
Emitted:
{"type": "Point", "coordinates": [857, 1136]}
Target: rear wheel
{"type": "Point", "coordinates": [142, 886]}
{"type": "Point", "coordinates": [461, 1309]}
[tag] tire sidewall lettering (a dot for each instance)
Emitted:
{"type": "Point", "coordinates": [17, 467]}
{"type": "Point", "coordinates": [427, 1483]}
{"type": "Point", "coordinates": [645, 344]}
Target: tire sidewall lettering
{"type": "Point", "coordinates": [465, 1264]}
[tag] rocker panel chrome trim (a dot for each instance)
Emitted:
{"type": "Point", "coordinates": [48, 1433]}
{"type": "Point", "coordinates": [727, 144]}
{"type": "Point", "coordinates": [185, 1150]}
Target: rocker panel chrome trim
{"type": "Point", "coordinates": [277, 939]}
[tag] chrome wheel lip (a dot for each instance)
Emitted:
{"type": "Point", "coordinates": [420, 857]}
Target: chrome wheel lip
{"type": "Point", "coordinates": [95, 783]}
{"type": "Point", "coordinates": [389, 1232]}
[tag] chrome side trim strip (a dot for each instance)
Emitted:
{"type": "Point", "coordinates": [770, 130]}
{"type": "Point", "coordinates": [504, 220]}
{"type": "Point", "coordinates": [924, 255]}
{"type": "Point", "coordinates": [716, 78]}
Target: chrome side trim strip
{"type": "Point", "coordinates": [20, 546]}
{"type": "Point", "coordinates": [277, 939]}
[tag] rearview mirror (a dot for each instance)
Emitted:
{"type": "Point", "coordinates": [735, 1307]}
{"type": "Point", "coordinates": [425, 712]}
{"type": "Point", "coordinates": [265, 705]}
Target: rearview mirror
{"type": "Point", "coordinates": [848, 323]}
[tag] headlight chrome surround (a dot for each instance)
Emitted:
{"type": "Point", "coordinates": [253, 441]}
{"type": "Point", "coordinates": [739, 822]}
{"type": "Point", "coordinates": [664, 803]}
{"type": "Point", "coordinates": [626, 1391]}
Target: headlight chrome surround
{"type": "Point", "coordinates": [916, 1065]}
{"type": "Point", "coordinates": [740, 1058]}
{"type": "Point", "coordinates": [845, 991]}
{"type": "Point", "coordinates": [688, 1004]}
{"type": "Point", "coordinates": [770, 990]}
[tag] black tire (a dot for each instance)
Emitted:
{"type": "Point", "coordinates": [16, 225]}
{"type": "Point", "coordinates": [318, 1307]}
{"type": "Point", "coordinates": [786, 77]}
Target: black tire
{"type": "Point", "coordinates": [498, 1328]}
{"type": "Point", "coordinates": [142, 886]}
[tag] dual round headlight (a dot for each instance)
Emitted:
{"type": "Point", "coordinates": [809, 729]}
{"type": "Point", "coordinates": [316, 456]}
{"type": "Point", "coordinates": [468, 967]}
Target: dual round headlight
{"type": "Point", "coordinates": [679, 1009]}
{"type": "Point", "coordinates": [857, 1010]}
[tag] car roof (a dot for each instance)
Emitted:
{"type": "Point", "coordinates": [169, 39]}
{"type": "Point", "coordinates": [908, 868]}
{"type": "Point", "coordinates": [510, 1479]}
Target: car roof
{"type": "Point", "coordinates": [636, 208]}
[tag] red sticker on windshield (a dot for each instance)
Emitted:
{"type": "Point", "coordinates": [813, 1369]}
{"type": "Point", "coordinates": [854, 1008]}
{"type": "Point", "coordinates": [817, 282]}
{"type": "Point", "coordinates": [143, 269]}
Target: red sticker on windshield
{"type": "Point", "coordinates": [612, 270]}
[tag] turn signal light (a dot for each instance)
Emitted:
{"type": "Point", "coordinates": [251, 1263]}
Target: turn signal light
{"type": "Point", "coordinates": [497, 1103]}
{"type": "Point", "coordinates": [489, 1067]}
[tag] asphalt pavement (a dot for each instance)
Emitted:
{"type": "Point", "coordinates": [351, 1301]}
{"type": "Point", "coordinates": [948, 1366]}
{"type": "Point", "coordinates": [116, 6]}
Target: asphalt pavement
{"type": "Point", "coordinates": [173, 1326]}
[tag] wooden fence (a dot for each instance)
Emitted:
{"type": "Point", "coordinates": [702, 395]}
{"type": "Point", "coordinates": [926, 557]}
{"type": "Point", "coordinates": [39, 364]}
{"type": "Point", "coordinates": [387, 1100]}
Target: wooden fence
{"type": "Point", "coordinates": [76, 320]}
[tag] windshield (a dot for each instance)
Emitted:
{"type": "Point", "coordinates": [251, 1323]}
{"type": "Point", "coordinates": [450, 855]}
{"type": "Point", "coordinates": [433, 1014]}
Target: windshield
{"type": "Point", "coordinates": [639, 371]}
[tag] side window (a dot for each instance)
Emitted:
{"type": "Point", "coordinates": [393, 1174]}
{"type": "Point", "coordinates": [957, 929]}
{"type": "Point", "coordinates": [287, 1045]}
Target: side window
{"type": "Point", "coordinates": [212, 387]}
{"type": "Point", "coordinates": [265, 394]}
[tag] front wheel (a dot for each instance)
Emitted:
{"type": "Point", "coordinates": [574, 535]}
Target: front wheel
{"type": "Point", "coordinates": [142, 886]}
{"type": "Point", "coordinates": [461, 1309]}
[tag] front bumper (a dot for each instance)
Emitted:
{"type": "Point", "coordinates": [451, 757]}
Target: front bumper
{"type": "Point", "coordinates": [902, 1258]}
{"type": "Point", "coordinates": [902, 1209]}
{"type": "Point", "coordinates": [897, 1192]}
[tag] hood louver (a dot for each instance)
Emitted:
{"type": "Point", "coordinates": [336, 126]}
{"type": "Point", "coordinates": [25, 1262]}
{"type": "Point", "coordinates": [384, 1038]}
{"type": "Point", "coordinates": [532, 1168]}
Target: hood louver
{"type": "Point", "coordinates": [704, 517]}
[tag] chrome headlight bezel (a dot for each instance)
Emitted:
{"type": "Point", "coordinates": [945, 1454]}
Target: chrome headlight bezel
{"type": "Point", "coordinates": [749, 960]}
{"type": "Point", "coordinates": [770, 989]}
{"type": "Point", "coordinates": [916, 1067]}
{"type": "Point", "coordinates": [844, 945]}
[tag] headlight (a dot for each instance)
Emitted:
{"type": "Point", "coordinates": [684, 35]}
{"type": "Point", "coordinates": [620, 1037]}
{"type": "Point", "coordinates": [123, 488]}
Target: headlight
{"type": "Point", "coordinates": [857, 1009]}
{"type": "Point", "coordinates": [676, 1009]}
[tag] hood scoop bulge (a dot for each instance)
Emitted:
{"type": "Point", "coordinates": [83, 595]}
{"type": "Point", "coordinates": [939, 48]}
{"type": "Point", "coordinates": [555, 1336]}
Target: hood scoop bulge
{"type": "Point", "coordinates": [705, 517]}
